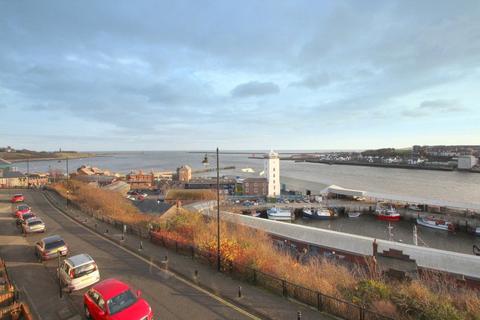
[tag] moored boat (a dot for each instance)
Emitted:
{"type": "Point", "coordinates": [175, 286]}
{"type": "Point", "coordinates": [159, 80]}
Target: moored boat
{"type": "Point", "coordinates": [354, 214]}
{"type": "Point", "coordinates": [386, 212]}
{"type": "Point", "coordinates": [318, 214]}
{"type": "Point", "coordinates": [275, 213]}
{"type": "Point", "coordinates": [435, 223]}
{"type": "Point", "coordinates": [477, 231]}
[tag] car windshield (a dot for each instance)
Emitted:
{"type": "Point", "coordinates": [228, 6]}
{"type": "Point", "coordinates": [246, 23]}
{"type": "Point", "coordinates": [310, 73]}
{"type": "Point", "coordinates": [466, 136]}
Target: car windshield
{"type": "Point", "coordinates": [54, 244]}
{"type": "Point", "coordinates": [34, 223]}
{"type": "Point", "coordinates": [84, 270]}
{"type": "Point", "coordinates": [121, 302]}
{"type": "Point", "coordinates": [23, 207]}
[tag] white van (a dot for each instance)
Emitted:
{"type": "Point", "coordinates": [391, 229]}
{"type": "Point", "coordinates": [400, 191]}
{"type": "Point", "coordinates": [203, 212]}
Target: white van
{"type": "Point", "coordinates": [78, 272]}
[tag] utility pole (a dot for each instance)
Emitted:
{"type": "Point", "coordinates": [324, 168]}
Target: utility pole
{"type": "Point", "coordinates": [218, 213]}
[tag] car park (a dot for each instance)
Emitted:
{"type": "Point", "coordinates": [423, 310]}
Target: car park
{"type": "Point", "coordinates": [32, 225]}
{"type": "Point", "coordinates": [51, 247]}
{"type": "Point", "coordinates": [21, 209]}
{"type": "Point", "coordinates": [114, 300]}
{"type": "Point", "coordinates": [17, 198]}
{"type": "Point", "coordinates": [78, 272]}
{"type": "Point", "coordinates": [24, 217]}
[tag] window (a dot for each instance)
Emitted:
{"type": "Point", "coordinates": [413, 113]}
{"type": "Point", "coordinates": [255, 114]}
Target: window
{"type": "Point", "coordinates": [122, 301]}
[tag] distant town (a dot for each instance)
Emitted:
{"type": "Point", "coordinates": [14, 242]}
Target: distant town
{"type": "Point", "coordinates": [446, 158]}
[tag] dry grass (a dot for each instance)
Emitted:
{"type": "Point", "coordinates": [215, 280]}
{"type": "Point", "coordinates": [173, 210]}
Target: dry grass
{"type": "Point", "coordinates": [190, 195]}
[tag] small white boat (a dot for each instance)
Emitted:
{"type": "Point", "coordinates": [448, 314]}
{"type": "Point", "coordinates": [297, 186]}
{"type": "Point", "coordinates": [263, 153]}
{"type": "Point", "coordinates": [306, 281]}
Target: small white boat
{"type": "Point", "coordinates": [319, 214]}
{"type": "Point", "coordinates": [275, 213]}
{"type": "Point", "coordinates": [354, 214]}
{"type": "Point", "coordinates": [434, 223]}
{"type": "Point", "coordinates": [477, 231]}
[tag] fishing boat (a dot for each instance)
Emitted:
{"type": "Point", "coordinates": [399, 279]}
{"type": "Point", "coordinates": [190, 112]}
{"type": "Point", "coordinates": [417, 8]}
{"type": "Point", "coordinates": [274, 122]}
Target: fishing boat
{"type": "Point", "coordinates": [318, 214]}
{"type": "Point", "coordinates": [386, 212]}
{"type": "Point", "coordinates": [275, 213]}
{"type": "Point", "coordinates": [354, 214]}
{"type": "Point", "coordinates": [435, 223]}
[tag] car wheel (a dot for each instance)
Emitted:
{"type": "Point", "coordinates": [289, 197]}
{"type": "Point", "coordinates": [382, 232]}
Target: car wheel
{"type": "Point", "coordinates": [87, 313]}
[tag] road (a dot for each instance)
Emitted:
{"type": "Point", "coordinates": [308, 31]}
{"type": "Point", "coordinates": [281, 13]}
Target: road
{"type": "Point", "coordinates": [169, 297]}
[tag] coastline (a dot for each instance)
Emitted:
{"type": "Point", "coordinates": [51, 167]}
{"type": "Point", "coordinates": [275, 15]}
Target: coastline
{"type": "Point", "coordinates": [24, 160]}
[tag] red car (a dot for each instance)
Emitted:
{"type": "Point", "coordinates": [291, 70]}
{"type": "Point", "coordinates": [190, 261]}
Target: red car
{"type": "Point", "coordinates": [17, 198]}
{"type": "Point", "coordinates": [22, 209]}
{"type": "Point", "coordinates": [112, 299]}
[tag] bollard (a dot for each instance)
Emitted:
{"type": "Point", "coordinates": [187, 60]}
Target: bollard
{"type": "Point", "coordinates": [106, 230]}
{"type": "Point", "coordinates": [123, 237]}
{"type": "Point", "coordinates": [95, 226]}
{"type": "Point", "coordinates": [141, 246]}
{"type": "Point", "coordinates": [299, 315]}
{"type": "Point", "coordinates": [195, 273]}
{"type": "Point", "coordinates": [239, 291]}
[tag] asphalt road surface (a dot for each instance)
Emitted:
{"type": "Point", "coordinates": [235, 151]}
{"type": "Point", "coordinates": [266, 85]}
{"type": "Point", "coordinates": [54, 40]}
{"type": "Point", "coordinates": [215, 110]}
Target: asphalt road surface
{"type": "Point", "coordinates": [169, 297]}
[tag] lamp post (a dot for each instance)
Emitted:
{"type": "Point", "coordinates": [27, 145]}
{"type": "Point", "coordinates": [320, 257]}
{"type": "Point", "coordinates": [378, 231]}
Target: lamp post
{"type": "Point", "coordinates": [205, 162]}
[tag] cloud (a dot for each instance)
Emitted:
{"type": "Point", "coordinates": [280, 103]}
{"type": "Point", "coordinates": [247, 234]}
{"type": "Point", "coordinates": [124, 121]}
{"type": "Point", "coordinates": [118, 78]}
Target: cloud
{"type": "Point", "coordinates": [434, 107]}
{"type": "Point", "coordinates": [441, 105]}
{"type": "Point", "coordinates": [254, 88]}
{"type": "Point", "coordinates": [313, 81]}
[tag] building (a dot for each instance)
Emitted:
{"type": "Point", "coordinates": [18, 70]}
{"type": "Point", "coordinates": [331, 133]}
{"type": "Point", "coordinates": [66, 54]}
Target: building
{"type": "Point", "coordinates": [140, 180]}
{"type": "Point", "coordinates": [11, 179]}
{"type": "Point", "coordinates": [272, 171]}
{"type": "Point", "coordinates": [4, 166]}
{"type": "Point", "coordinates": [184, 173]}
{"type": "Point", "coordinates": [467, 162]}
{"type": "Point", "coordinates": [37, 179]}
{"type": "Point", "coordinates": [255, 187]}
{"type": "Point", "coordinates": [226, 185]}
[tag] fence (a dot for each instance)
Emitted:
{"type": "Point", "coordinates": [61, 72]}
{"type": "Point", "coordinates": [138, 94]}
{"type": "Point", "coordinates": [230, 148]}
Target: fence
{"type": "Point", "coordinates": [322, 302]}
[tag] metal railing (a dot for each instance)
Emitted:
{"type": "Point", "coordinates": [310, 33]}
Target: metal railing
{"type": "Point", "coordinates": [320, 301]}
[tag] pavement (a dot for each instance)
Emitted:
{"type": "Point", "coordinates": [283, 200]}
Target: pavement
{"type": "Point", "coordinates": [176, 293]}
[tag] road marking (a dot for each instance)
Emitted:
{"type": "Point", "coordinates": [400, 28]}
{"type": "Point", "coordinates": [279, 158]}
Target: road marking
{"type": "Point", "coordinates": [219, 299]}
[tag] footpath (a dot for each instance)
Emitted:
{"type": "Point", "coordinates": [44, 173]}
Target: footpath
{"type": "Point", "coordinates": [255, 300]}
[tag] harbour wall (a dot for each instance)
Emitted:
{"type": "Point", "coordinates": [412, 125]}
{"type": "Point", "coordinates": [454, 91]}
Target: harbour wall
{"type": "Point", "coordinates": [464, 266]}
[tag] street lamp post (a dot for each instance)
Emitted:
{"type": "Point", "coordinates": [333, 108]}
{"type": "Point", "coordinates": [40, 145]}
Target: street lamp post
{"type": "Point", "coordinates": [205, 162]}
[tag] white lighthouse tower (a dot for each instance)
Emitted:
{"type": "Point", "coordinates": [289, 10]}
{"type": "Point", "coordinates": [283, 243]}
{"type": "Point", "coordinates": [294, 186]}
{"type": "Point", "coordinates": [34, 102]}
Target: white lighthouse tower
{"type": "Point", "coordinates": [272, 171]}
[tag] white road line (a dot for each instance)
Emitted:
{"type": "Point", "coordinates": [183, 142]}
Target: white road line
{"type": "Point", "coordinates": [219, 299]}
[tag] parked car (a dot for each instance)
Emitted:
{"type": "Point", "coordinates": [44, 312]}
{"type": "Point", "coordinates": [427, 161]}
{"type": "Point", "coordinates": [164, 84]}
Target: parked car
{"type": "Point", "coordinates": [51, 247]}
{"type": "Point", "coordinates": [21, 209]}
{"type": "Point", "coordinates": [24, 217]}
{"type": "Point", "coordinates": [17, 198]}
{"type": "Point", "coordinates": [114, 300]}
{"type": "Point", "coordinates": [78, 272]}
{"type": "Point", "coordinates": [33, 225]}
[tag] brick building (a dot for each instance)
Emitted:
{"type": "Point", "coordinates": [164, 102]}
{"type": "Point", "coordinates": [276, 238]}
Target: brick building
{"type": "Point", "coordinates": [255, 187]}
{"type": "Point", "coordinates": [141, 180]}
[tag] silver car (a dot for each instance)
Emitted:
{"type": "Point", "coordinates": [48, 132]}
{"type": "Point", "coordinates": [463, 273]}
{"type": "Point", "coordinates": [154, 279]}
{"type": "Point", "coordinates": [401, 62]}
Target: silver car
{"type": "Point", "coordinates": [32, 225]}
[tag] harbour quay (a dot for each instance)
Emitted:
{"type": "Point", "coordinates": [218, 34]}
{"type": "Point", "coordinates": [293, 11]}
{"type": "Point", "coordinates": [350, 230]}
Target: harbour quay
{"type": "Point", "coordinates": [393, 257]}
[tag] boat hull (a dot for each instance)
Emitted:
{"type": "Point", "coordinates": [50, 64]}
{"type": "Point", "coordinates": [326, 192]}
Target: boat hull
{"type": "Point", "coordinates": [354, 214]}
{"type": "Point", "coordinates": [388, 218]}
{"type": "Point", "coordinates": [280, 218]}
{"type": "Point", "coordinates": [443, 227]}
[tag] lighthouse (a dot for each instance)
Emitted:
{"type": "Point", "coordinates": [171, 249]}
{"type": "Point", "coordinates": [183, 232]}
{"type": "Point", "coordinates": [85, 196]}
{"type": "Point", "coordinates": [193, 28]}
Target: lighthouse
{"type": "Point", "coordinates": [272, 171]}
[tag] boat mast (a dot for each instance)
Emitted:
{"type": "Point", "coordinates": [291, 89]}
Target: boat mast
{"type": "Point", "coordinates": [415, 235]}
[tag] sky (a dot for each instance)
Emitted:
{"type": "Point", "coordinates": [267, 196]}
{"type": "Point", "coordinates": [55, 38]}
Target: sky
{"type": "Point", "coordinates": [240, 75]}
